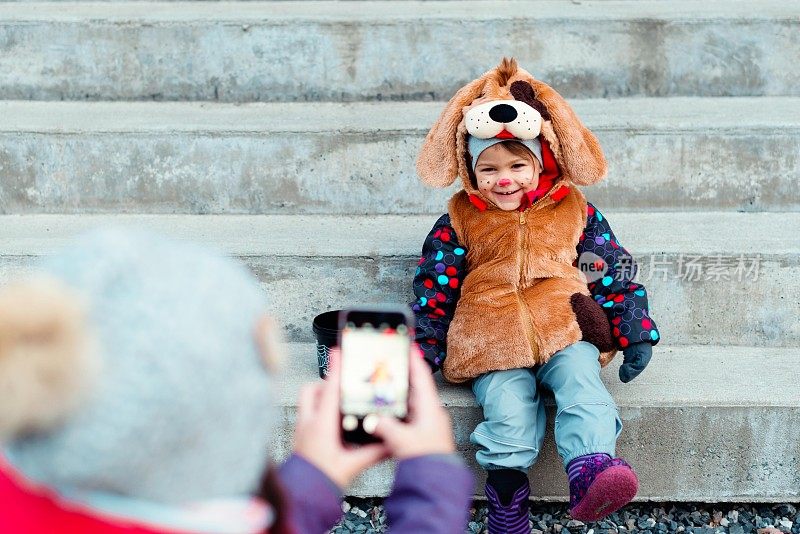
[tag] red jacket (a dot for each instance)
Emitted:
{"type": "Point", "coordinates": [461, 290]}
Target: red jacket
{"type": "Point", "coordinates": [27, 508]}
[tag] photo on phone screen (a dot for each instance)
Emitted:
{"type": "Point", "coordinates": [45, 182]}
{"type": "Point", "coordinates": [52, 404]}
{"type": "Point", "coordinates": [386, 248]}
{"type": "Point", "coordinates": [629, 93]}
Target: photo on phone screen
{"type": "Point", "coordinates": [374, 377]}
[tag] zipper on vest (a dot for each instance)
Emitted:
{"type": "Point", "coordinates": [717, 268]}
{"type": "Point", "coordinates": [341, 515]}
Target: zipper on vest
{"type": "Point", "coordinates": [527, 324]}
{"type": "Point", "coordinates": [523, 308]}
{"type": "Point", "coordinates": [524, 213]}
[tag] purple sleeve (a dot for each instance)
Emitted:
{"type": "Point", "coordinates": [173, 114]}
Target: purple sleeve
{"type": "Point", "coordinates": [431, 494]}
{"type": "Point", "coordinates": [437, 288]}
{"type": "Point", "coordinates": [624, 301]}
{"type": "Point", "coordinates": [314, 501]}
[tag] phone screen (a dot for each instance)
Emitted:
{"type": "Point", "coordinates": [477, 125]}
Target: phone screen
{"type": "Point", "coordinates": [374, 369]}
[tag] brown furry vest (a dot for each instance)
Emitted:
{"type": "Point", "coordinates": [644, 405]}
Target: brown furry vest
{"type": "Point", "coordinates": [522, 299]}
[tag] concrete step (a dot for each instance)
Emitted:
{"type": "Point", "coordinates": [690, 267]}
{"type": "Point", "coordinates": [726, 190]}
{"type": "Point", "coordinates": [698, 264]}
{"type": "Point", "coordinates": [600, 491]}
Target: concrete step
{"type": "Point", "coordinates": [719, 278]}
{"type": "Point", "coordinates": [79, 157]}
{"type": "Point", "coordinates": [702, 423]}
{"type": "Point", "coordinates": [283, 51]}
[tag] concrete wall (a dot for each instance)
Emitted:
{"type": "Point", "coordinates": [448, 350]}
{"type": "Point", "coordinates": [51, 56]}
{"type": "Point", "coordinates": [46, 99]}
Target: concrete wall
{"type": "Point", "coordinates": [283, 51]}
{"type": "Point", "coordinates": [663, 154]}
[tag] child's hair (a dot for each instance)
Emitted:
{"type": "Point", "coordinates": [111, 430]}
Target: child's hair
{"type": "Point", "coordinates": [515, 147]}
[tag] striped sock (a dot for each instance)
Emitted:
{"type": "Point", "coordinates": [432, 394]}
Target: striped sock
{"type": "Point", "coordinates": [574, 467]}
{"type": "Point", "coordinates": [509, 519]}
{"type": "Point", "coordinates": [506, 482]}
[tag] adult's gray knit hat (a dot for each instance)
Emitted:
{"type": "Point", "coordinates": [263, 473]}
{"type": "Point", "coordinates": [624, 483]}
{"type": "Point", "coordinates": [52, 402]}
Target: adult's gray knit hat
{"type": "Point", "coordinates": [182, 409]}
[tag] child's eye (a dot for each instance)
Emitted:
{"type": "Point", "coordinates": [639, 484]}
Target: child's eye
{"type": "Point", "coordinates": [518, 166]}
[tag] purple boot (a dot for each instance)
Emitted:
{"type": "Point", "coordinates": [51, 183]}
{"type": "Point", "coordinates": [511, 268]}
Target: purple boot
{"type": "Point", "coordinates": [603, 485]}
{"type": "Point", "coordinates": [511, 518]}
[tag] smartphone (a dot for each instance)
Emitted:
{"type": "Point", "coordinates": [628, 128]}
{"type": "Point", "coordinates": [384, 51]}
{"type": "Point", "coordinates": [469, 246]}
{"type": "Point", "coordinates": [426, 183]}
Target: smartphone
{"type": "Point", "coordinates": [374, 345]}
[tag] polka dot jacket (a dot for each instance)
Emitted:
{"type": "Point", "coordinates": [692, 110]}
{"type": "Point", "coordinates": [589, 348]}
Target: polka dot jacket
{"type": "Point", "coordinates": [442, 268]}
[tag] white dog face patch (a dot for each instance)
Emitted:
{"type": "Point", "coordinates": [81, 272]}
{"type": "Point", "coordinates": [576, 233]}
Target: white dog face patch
{"type": "Point", "coordinates": [506, 119]}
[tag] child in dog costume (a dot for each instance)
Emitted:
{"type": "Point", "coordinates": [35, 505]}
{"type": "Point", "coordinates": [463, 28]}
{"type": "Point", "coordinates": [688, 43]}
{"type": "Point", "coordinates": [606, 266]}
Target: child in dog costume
{"type": "Point", "coordinates": [500, 293]}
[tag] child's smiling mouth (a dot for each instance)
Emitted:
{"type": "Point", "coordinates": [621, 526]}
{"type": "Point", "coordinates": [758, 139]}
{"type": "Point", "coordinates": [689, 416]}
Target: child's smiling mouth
{"type": "Point", "coordinates": [506, 193]}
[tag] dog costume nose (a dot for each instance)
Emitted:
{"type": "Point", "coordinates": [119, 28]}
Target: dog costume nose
{"type": "Point", "coordinates": [504, 182]}
{"type": "Point", "coordinates": [502, 113]}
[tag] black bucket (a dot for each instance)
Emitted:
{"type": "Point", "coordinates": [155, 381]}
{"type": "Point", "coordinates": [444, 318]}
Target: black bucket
{"type": "Point", "coordinates": [326, 330]}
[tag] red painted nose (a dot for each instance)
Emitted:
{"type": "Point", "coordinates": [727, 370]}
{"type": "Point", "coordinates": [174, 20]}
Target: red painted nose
{"type": "Point", "coordinates": [504, 182]}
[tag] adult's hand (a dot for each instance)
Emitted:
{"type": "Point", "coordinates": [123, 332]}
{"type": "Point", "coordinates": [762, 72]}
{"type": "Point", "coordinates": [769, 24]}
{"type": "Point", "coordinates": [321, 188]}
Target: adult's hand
{"type": "Point", "coordinates": [318, 434]}
{"type": "Point", "coordinates": [428, 429]}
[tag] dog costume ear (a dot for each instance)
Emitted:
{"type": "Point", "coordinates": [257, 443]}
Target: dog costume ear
{"type": "Point", "coordinates": [46, 361]}
{"type": "Point", "coordinates": [581, 158]}
{"type": "Point", "coordinates": [438, 160]}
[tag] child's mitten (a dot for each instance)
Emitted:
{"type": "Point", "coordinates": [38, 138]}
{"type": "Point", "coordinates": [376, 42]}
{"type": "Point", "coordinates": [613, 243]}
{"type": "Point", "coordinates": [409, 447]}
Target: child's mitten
{"type": "Point", "coordinates": [636, 358]}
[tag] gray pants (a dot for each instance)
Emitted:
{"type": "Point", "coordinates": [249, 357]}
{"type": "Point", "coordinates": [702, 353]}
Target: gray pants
{"type": "Point", "coordinates": [513, 429]}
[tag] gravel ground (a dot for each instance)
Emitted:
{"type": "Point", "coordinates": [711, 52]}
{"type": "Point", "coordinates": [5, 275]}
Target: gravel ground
{"type": "Point", "coordinates": [367, 516]}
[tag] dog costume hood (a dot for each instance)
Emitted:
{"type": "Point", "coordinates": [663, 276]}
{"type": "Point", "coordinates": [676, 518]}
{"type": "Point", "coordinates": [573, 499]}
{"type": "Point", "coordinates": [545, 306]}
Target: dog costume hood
{"type": "Point", "coordinates": [576, 152]}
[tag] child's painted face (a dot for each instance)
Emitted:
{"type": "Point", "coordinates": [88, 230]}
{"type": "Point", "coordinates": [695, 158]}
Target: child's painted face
{"type": "Point", "coordinates": [503, 177]}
